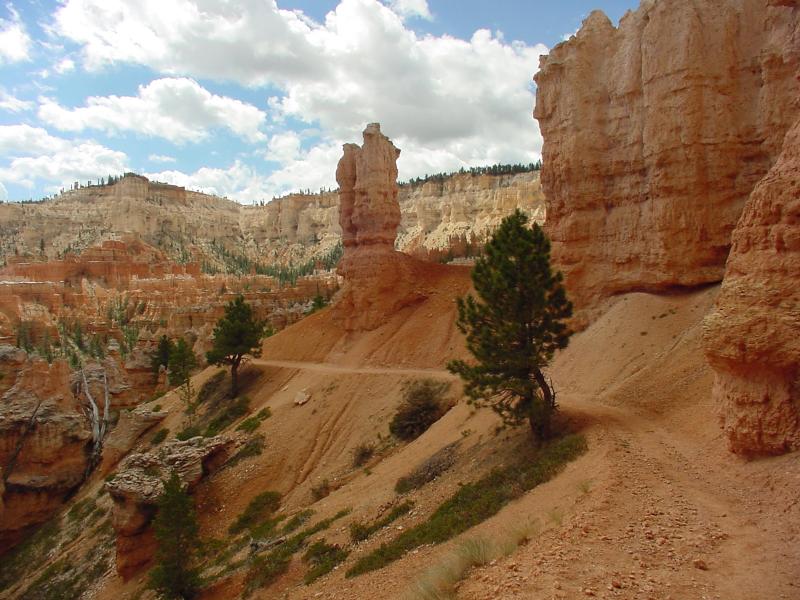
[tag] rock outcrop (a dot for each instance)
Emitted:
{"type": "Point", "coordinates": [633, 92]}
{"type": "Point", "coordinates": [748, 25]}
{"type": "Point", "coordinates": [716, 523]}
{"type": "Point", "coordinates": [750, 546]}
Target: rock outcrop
{"type": "Point", "coordinates": [655, 133]}
{"type": "Point", "coordinates": [378, 278]}
{"type": "Point", "coordinates": [44, 441]}
{"type": "Point", "coordinates": [216, 233]}
{"type": "Point", "coordinates": [138, 485]}
{"type": "Point", "coordinates": [753, 336]}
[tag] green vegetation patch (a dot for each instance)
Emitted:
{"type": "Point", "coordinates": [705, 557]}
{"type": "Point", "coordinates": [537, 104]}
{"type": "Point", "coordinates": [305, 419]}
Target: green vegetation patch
{"type": "Point", "coordinates": [360, 531]}
{"type": "Point", "coordinates": [266, 569]}
{"type": "Point", "coordinates": [260, 507]}
{"type": "Point", "coordinates": [322, 558]}
{"type": "Point", "coordinates": [476, 502]}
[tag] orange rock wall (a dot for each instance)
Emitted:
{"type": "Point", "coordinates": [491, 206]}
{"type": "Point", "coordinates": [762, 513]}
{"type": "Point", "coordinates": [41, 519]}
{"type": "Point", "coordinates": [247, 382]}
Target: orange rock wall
{"type": "Point", "coordinates": [655, 133]}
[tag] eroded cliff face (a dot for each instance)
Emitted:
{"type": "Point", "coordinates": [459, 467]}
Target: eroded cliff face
{"type": "Point", "coordinates": [752, 338]}
{"type": "Point", "coordinates": [44, 438]}
{"type": "Point", "coordinates": [203, 229]}
{"type": "Point", "coordinates": [655, 133]}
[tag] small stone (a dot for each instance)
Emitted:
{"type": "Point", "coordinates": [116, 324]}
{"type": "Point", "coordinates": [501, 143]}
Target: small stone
{"type": "Point", "coordinates": [699, 563]}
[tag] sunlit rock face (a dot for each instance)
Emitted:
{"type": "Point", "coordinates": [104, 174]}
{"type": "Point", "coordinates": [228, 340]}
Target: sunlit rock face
{"type": "Point", "coordinates": [655, 134]}
{"type": "Point", "coordinates": [752, 337]}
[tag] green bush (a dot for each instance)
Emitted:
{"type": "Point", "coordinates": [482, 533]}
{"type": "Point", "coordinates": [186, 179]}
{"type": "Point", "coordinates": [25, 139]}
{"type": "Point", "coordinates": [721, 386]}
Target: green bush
{"type": "Point", "coordinates": [428, 470]}
{"type": "Point", "coordinates": [260, 507]}
{"type": "Point", "coordinates": [159, 437]}
{"type": "Point", "coordinates": [253, 447]}
{"type": "Point", "coordinates": [237, 408]}
{"type": "Point", "coordinates": [188, 433]}
{"type": "Point", "coordinates": [360, 531]}
{"type": "Point", "coordinates": [249, 425]}
{"type": "Point", "coordinates": [422, 406]}
{"type": "Point", "coordinates": [476, 502]}
{"type": "Point", "coordinates": [362, 453]}
{"type": "Point", "coordinates": [322, 558]}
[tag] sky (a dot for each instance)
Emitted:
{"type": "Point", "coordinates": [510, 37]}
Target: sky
{"type": "Point", "coordinates": [252, 99]}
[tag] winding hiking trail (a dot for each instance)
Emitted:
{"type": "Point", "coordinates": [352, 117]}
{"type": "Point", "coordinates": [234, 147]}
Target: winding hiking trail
{"type": "Point", "coordinates": [332, 368]}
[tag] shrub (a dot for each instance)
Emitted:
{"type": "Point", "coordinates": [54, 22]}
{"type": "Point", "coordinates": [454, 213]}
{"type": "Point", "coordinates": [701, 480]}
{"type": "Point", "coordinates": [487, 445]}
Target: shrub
{"type": "Point", "coordinates": [228, 415]}
{"type": "Point", "coordinates": [188, 433]}
{"type": "Point", "coordinates": [362, 453]}
{"type": "Point", "coordinates": [210, 387]}
{"type": "Point", "coordinates": [422, 406]}
{"type": "Point", "coordinates": [428, 470]}
{"type": "Point", "coordinates": [476, 502]}
{"type": "Point", "coordinates": [322, 557]}
{"type": "Point", "coordinates": [253, 447]}
{"type": "Point", "coordinates": [260, 507]}
{"type": "Point", "coordinates": [360, 532]}
{"type": "Point", "coordinates": [249, 425]}
{"type": "Point", "coordinates": [318, 492]}
{"type": "Point", "coordinates": [159, 437]}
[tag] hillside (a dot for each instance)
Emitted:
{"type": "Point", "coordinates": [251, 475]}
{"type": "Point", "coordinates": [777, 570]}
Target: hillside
{"type": "Point", "coordinates": [438, 215]}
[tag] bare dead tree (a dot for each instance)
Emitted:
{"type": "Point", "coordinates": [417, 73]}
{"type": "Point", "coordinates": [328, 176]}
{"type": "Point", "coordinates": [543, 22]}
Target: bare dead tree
{"type": "Point", "coordinates": [99, 426]}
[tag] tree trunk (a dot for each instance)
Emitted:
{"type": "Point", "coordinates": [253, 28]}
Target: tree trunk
{"type": "Point", "coordinates": [234, 378]}
{"type": "Point", "coordinates": [540, 419]}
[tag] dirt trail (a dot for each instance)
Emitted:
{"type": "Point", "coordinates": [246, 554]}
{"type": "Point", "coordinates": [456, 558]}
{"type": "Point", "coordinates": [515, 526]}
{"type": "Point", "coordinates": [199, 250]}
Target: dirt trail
{"type": "Point", "coordinates": [332, 368]}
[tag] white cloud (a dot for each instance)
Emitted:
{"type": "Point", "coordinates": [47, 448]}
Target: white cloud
{"type": "Point", "coordinates": [283, 147]}
{"type": "Point", "coordinates": [11, 103]}
{"type": "Point", "coordinates": [447, 102]}
{"type": "Point", "coordinates": [177, 109]}
{"type": "Point", "coordinates": [3, 193]}
{"type": "Point", "coordinates": [65, 163]}
{"type": "Point", "coordinates": [23, 140]}
{"type": "Point", "coordinates": [161, 158]}
{"type": "Point", "coordinates": [412, 8]}
{"type": "Point", "coordinates": [65, 65]}
{"type": "Point", "coordinates": [15, 43]}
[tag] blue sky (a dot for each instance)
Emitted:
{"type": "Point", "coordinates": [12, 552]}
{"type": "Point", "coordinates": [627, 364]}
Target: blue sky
{"type": "Point", "coordinates": [251, 99]}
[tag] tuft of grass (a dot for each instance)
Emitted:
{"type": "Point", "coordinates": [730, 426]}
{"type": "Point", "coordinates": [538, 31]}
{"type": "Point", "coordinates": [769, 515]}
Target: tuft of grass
{"type": "Point", "coordinates": [253, 447]}
{"type": "Point", "coordinates": [156, 408]}
{"type": "Point", "coordinates": [585, 486]}
{"type": "Point", "coordinates": [322, 558]}
{"type": "Point", "coordinates": [360, 531]}
{"type": "Point", "coordinates": [249, 425]}
{"type": "Point", "coordinates": [362, 453]}
{"type": "Point", "coordinates": [475, 502]}
{"type": "Point", "coordinates": [159, 437]}
{"type": "Point", "coordinates": [260, 507]}
{"type": "Point", "coordinates": [264, 413]}
{"type": "Point", "coordinates": [188, 433]}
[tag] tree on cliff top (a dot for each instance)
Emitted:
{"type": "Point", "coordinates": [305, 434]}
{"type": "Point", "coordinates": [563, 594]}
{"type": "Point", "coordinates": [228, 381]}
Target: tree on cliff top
{"type": "Point", "coordinates": [237, 334]}
{"type": "Point", "coordinates": [515, 326]}
{"type": "Point", "coordinates": [176, 530]}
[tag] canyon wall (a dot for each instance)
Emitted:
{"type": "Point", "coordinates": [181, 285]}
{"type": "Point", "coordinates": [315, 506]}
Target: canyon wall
{"type": "Point", "coordinates": [752, 337]}
{"type": "Point", "coordinates": [655, 133]}
{"type": "Point", "coordinates": [198, 228]}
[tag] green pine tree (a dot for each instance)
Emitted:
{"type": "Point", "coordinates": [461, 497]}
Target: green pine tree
{"type": "Point", "coordinates": [176, 531]}
{"type": "Point", "coordinates": [161, 354]}
{"type": "Point", "coordinates": [182, 361]}
{"type": "Point", "coordinates": [237, 334]}
{"type": "Point", "coordinates": [514, 326]}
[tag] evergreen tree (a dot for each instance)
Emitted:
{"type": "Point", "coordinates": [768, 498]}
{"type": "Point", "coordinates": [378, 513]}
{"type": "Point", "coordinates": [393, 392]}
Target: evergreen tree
{"type": "Point", "coordinates": [515, 326]}
{"type": "Point", "coordinates": [182, 362]}
{"type": "Point", "coordinates": [237, 334]}
{"type": "Point", "coordinates": [161, 354]}
{"type": "Point", "coordinates": [176, 532]}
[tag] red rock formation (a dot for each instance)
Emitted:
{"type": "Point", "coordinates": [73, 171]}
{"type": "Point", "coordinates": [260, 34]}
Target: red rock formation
{"type": "Point", "coordinates": [44, 437]}
{"type": "Point", "coordinates": [138, 486]}
{"type": "Point", "coordinates": [753, 336]}
{"type": "Point", "coordinates": [655, 133]}
{"type": "Point", "coordinates": [378, 279]}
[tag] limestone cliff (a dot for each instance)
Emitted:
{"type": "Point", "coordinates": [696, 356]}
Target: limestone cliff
{"type": "Point", "coordinates": [753, 336]}
{"type": "Point", "coordinates": [655, 133]}
{"type": "Point", "coordinates": [215, 233]}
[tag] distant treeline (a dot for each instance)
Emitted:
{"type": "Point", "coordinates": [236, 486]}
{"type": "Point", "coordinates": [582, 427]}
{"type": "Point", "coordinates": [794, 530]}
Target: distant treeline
{"type": "Point", "coordinates": [489, 170]}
